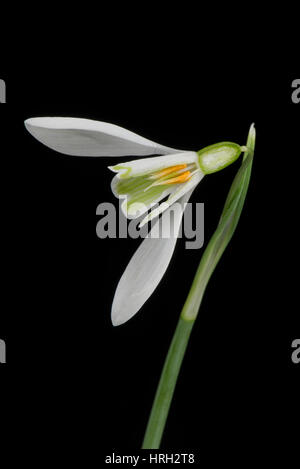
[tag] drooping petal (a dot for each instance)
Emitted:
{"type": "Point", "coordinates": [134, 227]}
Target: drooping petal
{"type": "Point", "coordinates": [180, 191]}
{"type": "Point", "coordinates": [85, 137]}
{"type": "Point", "coordinates": [148, 165]}
{"type": "Point", "coordinates": [146, 268]}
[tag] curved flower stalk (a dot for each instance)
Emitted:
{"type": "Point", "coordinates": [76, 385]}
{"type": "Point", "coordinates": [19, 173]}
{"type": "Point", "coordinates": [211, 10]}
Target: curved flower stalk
{"type": "Point", "coordinates": [141, 183]}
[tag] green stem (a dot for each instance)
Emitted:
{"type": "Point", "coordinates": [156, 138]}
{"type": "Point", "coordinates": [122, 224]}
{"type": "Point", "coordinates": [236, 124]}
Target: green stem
{"type": "Point", "coordinates": [166, 386]}
{"type": "Point", "coordinates": [211, 256]}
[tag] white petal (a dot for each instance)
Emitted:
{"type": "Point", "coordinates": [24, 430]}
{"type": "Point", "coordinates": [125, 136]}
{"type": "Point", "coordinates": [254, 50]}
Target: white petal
{"type": "Point", "coordinates": [146, 269]}
{"type": "Point", "coordinates": [85, 137]}
{"type": "Point", "coordinates": [174, 196]}
{"type": "Point", "coordinates": [156, 163]}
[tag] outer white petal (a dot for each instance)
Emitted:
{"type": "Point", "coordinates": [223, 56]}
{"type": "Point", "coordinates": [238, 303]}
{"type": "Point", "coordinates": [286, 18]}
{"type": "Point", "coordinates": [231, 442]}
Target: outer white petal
{"type": "Point", "coordinates": [85, 137]}
{"type": "Point", "coordinates": [146, 269]}
{"type": "Point", "coordinates": [156, 163]}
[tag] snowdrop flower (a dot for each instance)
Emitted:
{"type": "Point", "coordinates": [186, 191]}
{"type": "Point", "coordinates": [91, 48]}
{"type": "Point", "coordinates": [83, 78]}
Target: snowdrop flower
{"type": "Point", "coordinates": [141, 183]}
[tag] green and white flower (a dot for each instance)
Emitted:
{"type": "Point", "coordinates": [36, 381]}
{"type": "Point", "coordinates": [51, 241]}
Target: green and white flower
{"type": "Point", "coordinates": [141, 183]}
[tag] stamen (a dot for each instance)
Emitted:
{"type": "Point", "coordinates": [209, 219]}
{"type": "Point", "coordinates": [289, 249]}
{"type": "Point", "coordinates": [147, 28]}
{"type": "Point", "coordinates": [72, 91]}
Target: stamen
{"type": "Point", "coordinates": [175, 180]}
{"type": "Point", "coordinates": [165, 172]}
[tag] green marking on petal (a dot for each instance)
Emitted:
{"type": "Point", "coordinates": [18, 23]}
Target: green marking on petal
{"type": "Point", "coordinates": [130, 185]}
{"type": "Point", "coordinates": [148, 197]}
{"type": "Point", "coordinates": [137, 195]}
{"type": "Point", "coordinates": [125, 170]}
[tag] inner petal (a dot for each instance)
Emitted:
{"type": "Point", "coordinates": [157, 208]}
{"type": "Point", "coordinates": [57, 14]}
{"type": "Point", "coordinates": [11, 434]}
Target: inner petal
{"type": "Point", "coordinates": [137, 200]}
{"type": "Point", "coordinates": [141, 190]}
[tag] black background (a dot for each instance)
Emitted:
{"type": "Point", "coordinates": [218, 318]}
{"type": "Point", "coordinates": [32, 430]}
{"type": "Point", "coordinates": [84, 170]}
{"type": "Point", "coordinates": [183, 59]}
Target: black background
{"type": "Point", "coordinates": [73, 381]}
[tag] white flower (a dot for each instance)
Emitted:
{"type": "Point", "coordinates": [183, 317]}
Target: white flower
{"type": "Point", "coordinates": [141, 183]}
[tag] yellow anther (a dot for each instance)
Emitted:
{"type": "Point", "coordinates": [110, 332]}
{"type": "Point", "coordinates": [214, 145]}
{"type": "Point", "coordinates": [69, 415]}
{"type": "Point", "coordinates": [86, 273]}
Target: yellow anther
{"type": "Point", "coordinates": [183, 177]}
{"type": "Point", "coordinates": [165, 172]}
